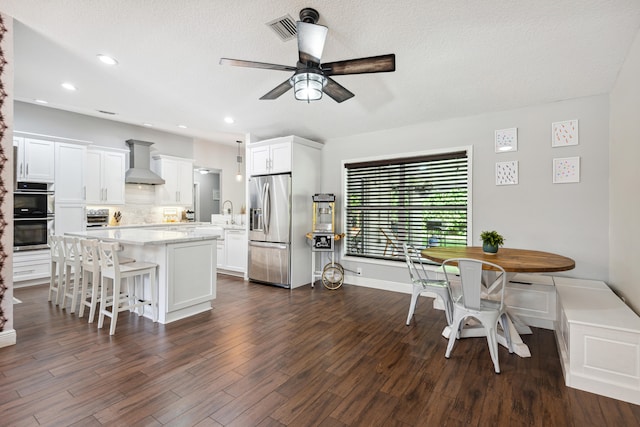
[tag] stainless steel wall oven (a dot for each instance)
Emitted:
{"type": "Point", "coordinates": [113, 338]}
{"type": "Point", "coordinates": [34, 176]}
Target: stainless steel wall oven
{"type": "Point", "coordinates": [33, 204]}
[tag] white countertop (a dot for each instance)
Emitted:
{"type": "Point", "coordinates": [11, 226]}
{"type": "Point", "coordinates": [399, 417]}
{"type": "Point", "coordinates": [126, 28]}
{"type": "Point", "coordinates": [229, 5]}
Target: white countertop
{"type": "Point", "coordinates": [179, 225]}
{"type": "Point", "coordinates": [145, 235]}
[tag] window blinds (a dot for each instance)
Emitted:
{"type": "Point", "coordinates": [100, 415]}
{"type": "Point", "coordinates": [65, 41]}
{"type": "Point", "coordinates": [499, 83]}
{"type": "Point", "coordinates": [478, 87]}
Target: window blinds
{"type": "Point", "coordinates": [418, 200]}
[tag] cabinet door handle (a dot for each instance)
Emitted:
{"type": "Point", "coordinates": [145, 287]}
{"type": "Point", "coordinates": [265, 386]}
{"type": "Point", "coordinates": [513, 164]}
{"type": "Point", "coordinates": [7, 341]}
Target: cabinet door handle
{"type": "Point", "coordinates": [27, 170]}
{"type": "Point", "coordinates": [106, 194]}
{"type": "Point", "coordinates": [20, 169]}
{"type": "Point", "coordinates": [84, 193]}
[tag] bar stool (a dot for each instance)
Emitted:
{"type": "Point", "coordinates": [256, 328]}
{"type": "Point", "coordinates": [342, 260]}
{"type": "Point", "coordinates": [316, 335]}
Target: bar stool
{"type": "Point", "coordinates": [72, 262]}
{"type": "Point", "coordinates": [57, 268]}
{"type": "Point", "coordinates": [90, 277]}
{"type": "Point", "coordinates": [133, 298]}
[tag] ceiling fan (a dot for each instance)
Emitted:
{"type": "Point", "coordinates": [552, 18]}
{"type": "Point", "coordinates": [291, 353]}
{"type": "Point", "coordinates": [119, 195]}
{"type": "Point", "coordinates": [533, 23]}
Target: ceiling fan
{"type": "Point", "coordinates": [311, 78]}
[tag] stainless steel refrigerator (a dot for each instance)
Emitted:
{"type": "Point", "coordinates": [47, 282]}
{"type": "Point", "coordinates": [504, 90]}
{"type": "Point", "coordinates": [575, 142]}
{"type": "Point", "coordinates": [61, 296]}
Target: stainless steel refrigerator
{"type": "Point", "coordinates": [270, 229]}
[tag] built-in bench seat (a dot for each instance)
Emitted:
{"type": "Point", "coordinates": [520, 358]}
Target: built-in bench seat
{"type": "Point", "coordinates": [598, 339]}
{"type": "Point", "coordinates": [532, 297]}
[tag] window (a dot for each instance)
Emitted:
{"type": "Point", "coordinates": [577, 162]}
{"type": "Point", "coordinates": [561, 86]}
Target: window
{"type": "Point", "coordinates": [422, 201]}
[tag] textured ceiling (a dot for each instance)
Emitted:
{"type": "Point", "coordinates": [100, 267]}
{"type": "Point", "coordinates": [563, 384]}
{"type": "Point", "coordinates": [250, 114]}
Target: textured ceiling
{"type": "Point", "coordinates": [453, 58]}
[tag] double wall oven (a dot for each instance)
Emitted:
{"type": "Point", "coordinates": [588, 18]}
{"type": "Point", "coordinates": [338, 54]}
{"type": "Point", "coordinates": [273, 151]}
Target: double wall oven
{"type": "Point", "coordinates": [33, 204]}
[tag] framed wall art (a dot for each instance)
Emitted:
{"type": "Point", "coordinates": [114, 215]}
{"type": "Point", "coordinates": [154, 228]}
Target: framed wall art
{"type": "Point", "coordinates": [507, 173]}
{"type": "Point", "coordinates": [564, 133]}
{"type": "Point", "coordinates": [566, 170]}
{"type": "Point", "coordinates": [506, 140]}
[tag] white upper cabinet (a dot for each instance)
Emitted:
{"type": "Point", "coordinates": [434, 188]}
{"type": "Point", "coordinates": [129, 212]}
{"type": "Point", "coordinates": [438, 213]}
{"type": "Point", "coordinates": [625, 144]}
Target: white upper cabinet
{"type": "Point", "coordinates": [105, 177]}
{"type": "Point", "coordinates": [70, 167]}
{"type": "Point", "coordinates": [178, 176]}
{"type": "Point", "coordinates": [34, 160]}
{"type": "Point", "coordinates": [270, 158]}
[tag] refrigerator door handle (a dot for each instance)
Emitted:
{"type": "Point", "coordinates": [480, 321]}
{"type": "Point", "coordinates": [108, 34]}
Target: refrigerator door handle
{"type": "Point", "coordinates": [266, 207]}
{"type": "Point", "coordinates": [268, 245]}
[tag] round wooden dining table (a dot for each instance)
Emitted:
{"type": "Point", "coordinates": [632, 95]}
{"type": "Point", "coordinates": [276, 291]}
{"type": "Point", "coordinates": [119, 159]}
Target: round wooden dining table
{"type": "Point", "coordinates": [513, 261]}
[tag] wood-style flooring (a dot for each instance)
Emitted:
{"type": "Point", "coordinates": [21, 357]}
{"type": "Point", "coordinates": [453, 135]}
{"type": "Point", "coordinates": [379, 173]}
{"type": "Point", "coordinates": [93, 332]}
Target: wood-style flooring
{"type": "Point", "coordinates": [267, 356]}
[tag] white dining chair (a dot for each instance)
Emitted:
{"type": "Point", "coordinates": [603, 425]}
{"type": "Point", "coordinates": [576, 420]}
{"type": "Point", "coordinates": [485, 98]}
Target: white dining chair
{"type": "Point", "coordinates": [56, 280]}
{"type": "Point", "coordinates": [422, 282]}
{"type": "Point", "coordinates": [73, 271]}
{"type": "Point", "coordinates": [90, 277]}
{"type": "Point", "coordinates": [468, 301]}
{"type": "Point", "coordinates": [114, 298]}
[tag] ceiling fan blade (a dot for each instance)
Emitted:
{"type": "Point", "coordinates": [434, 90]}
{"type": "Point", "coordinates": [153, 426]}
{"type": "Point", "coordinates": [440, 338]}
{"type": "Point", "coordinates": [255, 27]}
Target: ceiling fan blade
{"type": "Point", "coordinates": [311, 39]}
{"type": "Point", "coordinates": [372, 64]}
{"type": "Point", "coordinates": [278, 90]}
{"type": "Point", "coordinates": [253, 64]}
{"type": "Point", "coordinates": [336, 91]}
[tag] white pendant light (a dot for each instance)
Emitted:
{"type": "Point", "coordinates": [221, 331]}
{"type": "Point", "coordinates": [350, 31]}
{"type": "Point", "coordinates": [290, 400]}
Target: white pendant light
{"type": "Point", "coordinates": [239, 160]}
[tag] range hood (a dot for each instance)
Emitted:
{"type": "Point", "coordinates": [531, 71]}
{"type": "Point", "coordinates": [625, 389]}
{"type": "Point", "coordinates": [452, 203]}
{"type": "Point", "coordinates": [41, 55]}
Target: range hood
{"type": "Point", "coordinates": [139, 164]}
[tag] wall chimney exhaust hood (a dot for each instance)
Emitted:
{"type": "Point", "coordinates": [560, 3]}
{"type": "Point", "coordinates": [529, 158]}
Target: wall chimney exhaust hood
{"type": "Point", "coordinates": [140, 164]}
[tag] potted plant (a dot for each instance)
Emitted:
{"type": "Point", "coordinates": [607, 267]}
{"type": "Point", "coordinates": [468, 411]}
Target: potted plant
{"type": "Point", "coordinates": [491, 240]}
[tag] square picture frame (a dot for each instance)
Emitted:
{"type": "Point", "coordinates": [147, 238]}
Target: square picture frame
{"type": "Point", "coordinates": [566, 170]}
{"type": "Point", "coordinates": [506, 140]}
{"type": "Point", "coordinates": [564, 133]}
{"type": "Point", "coordinates": [507, 173]}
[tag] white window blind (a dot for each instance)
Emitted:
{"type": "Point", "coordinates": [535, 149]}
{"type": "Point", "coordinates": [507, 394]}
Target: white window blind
{"type": "Point", "coordinates": [418, 200]}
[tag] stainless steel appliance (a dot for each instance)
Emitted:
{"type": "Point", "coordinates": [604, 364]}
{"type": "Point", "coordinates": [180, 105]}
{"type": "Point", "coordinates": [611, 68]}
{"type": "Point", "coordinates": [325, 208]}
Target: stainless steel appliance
{"type": "Point", "coordinates": [33, 215]}
{"type": "Point", "coordinates": [97, 218]}
{"type": "Point", "coordinates": [270, 229]}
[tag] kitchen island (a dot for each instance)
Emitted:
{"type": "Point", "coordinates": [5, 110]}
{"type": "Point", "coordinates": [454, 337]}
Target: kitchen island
{"type": "Point", "coordinates": [186, 265]}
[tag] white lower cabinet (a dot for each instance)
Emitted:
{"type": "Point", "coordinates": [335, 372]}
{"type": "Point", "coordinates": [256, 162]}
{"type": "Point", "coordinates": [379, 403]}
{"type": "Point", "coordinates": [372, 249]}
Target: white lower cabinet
{"type": "Point", "coordinates": [232, 251]}
{"type": "Point", "coordinates": [235, 242]}
{"type": "Point", "coordinates": [221, 257]}
{"type": "Point", "coordinates": [31, 266]}
{"type": "Point", "coordinates": [190, 275]}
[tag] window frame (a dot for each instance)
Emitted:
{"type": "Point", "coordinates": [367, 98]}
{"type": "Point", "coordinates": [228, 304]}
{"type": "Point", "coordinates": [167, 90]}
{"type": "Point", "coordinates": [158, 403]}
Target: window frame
{"type": "Point", "coordinates": [403, 155]}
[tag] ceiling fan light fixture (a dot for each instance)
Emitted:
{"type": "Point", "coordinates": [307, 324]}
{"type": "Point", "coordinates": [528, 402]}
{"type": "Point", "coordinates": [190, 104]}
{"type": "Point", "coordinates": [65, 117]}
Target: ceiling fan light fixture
{"type": "Point", "coordinates": [308, 85]}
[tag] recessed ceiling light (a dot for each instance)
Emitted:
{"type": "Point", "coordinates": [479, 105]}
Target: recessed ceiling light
{"type": "Point", "coordinates": [147, 125]}
{"type": "Point", "coordinates": [228, 120]}
{"type": "Point", "coordinates": [40, 101]}
{"type": "Point", "coordinates": [182, 126]}
{"type": "Point", "coordinates": [106, 59]}
{"type": "Point", "coordinates": [68, 86]}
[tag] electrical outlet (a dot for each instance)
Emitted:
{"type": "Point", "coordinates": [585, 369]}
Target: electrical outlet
{"type": "Point", "coordinates": [359, 271]}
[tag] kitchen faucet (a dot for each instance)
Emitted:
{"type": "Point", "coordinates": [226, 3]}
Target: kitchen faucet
{"type": "Point", "coordinates": [223, 210]}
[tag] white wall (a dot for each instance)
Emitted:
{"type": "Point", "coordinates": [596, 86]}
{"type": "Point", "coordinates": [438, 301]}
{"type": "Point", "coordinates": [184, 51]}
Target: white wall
{"type": "Point", "coordinates": [223, 157]}
{"type": "Point", "coordinates": [568, 219]}
{"type": "Point", "coordinates": [102, 132]}
{"type": "Point", "coordinates": [625, 177]}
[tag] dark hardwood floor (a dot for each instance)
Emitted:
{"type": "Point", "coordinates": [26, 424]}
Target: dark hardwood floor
{"type": "Point", "coordinates": [266, 356]}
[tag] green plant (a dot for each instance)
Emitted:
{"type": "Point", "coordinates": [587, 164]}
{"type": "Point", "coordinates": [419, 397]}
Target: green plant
{"type": "Point", "coordinates": [492, 238]}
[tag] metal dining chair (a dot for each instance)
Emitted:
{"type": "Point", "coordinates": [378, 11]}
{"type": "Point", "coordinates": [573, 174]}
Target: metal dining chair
{"type": "Point", "coordinates": [421, 283]}
{"type": "Point", "coordinates": [468, 301]}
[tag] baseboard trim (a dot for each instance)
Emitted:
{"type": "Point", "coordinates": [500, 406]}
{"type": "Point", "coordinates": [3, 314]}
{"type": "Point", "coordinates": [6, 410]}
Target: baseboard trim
{"type": "Point", "coordinates": [7, 338]}
{"type": "Point", "coordinates": [385, 285]}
